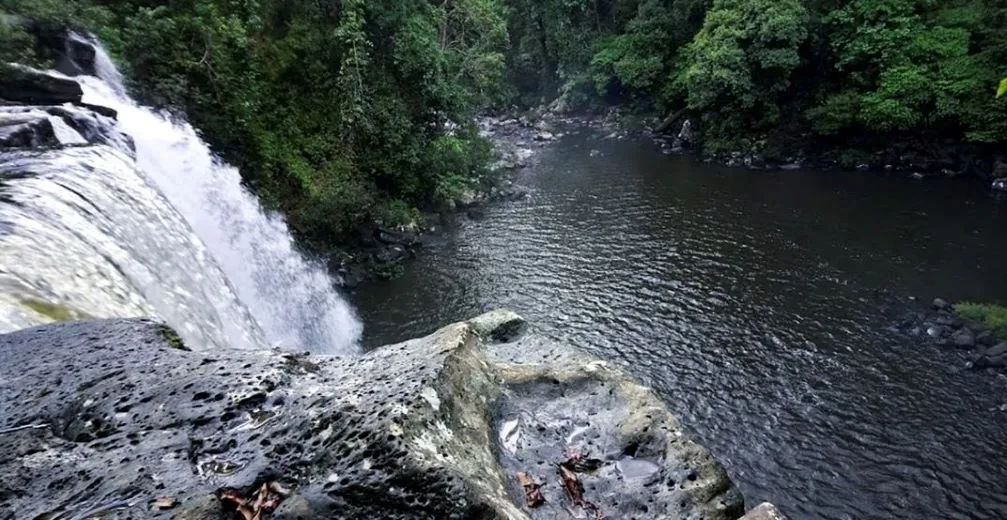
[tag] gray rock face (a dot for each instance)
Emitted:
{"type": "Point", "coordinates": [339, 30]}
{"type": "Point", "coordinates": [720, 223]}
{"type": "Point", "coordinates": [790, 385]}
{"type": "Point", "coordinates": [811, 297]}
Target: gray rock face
{"type": "Point", "coordinates": [113, 415]}
{"type": "Point", "coordinates": [499, 326]}
{"type": "Point", "coordinates": [561, 402]}
{"type": "Point", "coordinates": [29, 86]}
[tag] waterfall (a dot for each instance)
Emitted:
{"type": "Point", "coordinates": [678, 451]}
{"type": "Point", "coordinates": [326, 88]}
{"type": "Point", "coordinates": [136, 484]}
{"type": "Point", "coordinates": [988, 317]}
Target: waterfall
{"type": "Point", "coordinates": [89, 232]}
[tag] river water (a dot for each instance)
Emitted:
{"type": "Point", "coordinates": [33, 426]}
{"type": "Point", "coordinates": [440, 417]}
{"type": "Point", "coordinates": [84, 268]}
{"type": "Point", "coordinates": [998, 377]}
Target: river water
{"type": "Point", "coordinates": [750, 302]}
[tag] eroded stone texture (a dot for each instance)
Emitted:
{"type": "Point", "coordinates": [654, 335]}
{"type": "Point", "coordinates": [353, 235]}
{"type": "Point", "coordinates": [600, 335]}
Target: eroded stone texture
{"type": "Point", "coordinates": [561, 401]}
{"type": "Point", "coordinates": [115, 415]}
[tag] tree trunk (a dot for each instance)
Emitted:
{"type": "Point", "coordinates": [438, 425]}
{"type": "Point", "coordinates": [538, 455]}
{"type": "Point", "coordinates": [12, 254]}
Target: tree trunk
{"type": "Point", "coordinates": [670, 120]}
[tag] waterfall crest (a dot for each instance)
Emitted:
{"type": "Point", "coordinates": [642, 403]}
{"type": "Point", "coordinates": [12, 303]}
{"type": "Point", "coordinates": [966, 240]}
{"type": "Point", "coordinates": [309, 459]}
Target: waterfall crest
{"type": "Point", "coordinates": [143, 220]}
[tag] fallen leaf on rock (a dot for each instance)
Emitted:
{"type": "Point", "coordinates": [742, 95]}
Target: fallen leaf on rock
{"type": "Point", "coordinates": [594, 510]}
{"type": "Point", "coordinates": [572, 485]}
{"type": "Point", "coordinates": [532, 491]}
{"type": "Point", "coordinates": [265, 499]}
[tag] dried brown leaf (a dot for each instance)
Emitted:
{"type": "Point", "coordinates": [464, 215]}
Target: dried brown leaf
{"type": "Point", "coordinates": [572, 485]}
{"type": "Point", "coordinates": [532, 493]}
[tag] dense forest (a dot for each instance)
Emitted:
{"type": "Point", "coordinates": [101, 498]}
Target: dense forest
{"type": "Point", "coordinates": [344, 111]}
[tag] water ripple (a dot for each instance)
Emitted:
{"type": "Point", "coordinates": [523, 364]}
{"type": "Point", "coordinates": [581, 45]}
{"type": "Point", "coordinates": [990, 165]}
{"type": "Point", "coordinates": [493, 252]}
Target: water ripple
{"type": "Point", "coordinates": [746, 300]}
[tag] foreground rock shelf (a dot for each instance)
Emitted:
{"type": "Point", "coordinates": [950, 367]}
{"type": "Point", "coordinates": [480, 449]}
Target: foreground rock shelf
{"type": "Point", "coordinates": [118, 417]}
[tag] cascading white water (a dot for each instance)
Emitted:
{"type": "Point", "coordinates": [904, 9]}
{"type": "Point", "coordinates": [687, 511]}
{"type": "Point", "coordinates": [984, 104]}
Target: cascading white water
{"type": "Point", "coordinates": [292, 299]}
{"type": "Point", "coordinates": [85, 236]}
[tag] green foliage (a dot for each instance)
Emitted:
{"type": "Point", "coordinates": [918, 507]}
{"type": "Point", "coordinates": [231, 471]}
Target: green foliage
{"type": "Point", "coordinates": [341, 111]}
{"type": "Point", "coordinates": [913, 67]}
{"type": "Point", "coordinates": [338, 111]}
{"type": "Point", "coordinates": [993, 317]}
{"type": "Point", "coordinates": [172, 338]}
{"type": "Point", "coordinates": [740, 62]}
{"type": "Point", "coordinates": [16, 45]}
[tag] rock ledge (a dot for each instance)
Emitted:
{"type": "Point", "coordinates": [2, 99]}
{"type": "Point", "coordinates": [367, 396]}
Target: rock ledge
{"type": "Point", "coordinates": [112, 416]}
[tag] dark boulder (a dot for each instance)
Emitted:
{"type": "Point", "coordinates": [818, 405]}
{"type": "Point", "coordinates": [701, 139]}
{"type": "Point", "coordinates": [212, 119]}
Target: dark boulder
{"type": "Point", "coordinates": [34, 87]}
{"type": "Point", "coordinates": [26, 130]}
{"type": "Point", "coordinates": [994, 357]}
{"type": "Point", "coordinates": [392, 254]}
{"type": "Point", "coordinates": [73, 53]}
{"type": "Point", "coordinates": [986, 339]}
{"type": "Point", "coordinates": [390, 236]}
{"type": "Point", "coordinates": [947, 320]}
{"type": "Point", "coordinates": [941, 305]}
{"type": "Point", "coordinates": [964, 338]}
{"type": "Point", "coordinates": [110, 113]}
{"type": "Point", "coordinates": [78, 57]}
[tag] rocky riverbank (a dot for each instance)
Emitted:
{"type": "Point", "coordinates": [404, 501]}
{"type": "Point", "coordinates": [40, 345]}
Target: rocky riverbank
{"type": "Point", "coordinates": [119, 418]}
{"type": "Point", "coordinates": [971, 329]}
{"type": "Point", "coordinates": [913, 159]}
{"type": "Point", "coordinates": [790, 148]}
{"type": "Point", "coordinates": [379, 251]}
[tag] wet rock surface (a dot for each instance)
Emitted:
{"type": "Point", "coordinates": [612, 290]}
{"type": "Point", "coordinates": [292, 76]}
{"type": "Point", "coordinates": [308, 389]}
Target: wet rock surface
{"type": "Point", "coordinates": [24, 85]}
{"type": "Point", "coordinates": [561, 403]}
{"type": "Point", "coordinates": [119, 417]}
{"type": "Point", "coordinates": [39, 110]}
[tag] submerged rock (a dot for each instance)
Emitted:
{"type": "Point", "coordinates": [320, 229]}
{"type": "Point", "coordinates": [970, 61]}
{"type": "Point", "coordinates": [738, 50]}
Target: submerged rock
{"type": "Point", "coordinates": [114, 413]}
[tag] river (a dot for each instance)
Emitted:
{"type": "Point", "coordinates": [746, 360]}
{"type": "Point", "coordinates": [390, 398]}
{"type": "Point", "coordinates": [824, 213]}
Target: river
{"type": "Point", "coordinates": [750, 301]}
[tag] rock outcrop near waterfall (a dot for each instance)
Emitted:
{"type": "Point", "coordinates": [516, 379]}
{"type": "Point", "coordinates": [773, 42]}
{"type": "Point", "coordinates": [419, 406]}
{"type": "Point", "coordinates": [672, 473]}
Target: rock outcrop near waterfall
{"type": "Point", "coordinates": [42, 110]}
{"type": "Point", "coordinates": [120, 417]}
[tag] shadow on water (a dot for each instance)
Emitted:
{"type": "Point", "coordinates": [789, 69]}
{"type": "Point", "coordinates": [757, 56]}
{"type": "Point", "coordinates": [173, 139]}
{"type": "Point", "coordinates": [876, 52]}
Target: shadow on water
{"type": "Point", "coordinates": [749, 300]}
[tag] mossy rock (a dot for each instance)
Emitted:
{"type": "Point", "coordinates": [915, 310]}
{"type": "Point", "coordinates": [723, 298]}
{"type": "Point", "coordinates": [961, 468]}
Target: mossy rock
{"type": "Point", "coordinates": [53, 311]}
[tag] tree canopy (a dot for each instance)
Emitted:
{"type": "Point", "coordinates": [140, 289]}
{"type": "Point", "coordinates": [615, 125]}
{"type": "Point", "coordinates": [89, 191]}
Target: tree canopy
{"type": "Point", "coordinates": [340, 111]}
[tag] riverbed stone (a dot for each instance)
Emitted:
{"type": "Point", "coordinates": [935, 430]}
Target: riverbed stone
{"type": "Point", "coordinates": [993, 357]}
{"type": "Point", "coordinates": [964, 338]}
{"type": "Point", "coordinates": [986, 338]}
{"type": "Point", "coordinates": [102, 414]}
